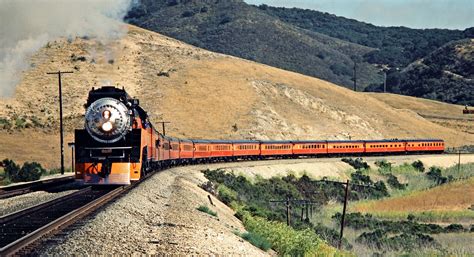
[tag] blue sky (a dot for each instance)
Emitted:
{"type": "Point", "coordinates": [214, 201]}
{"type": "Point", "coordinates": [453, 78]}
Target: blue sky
{"type": "Point", "coordinates": [452, 14]}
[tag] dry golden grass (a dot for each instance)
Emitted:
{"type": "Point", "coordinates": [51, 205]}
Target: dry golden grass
{"type": "Point", "coordinates": [206, 95]}
{"type": "Point", "coordinates": [456, 196]}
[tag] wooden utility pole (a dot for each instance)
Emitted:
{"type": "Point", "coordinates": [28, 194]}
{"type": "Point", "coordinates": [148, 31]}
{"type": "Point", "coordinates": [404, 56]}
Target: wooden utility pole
{"type": "Point", "coordinates": [60, 115]}
{"type": "Point", "coordinates": [355, 76]}
{"type": "Point", "coordinates": [290, 202]}
{"type": "Point", "coordinates": [385, 82]}
{"type": "Point", "coordinates": [346, 194]}
{"type": "Point", "coordinates": [163, 126]}
{"type": "Point", "coordinates": [459, 162]}
{"type": "Point", "coordinates": [288, 211]}
{"type": "Point", "coordinates": [346, 199]}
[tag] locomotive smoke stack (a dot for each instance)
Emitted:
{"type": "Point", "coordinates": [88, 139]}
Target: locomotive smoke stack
{"type": "Point", "coordinates": [28, 25]}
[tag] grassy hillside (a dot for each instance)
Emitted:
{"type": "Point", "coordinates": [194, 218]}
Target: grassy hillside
{"type": "Point", "coordinates": [238, 29]}
{"type": "Point", "coordinates": [203, 94]}
{"type": "Point", "coordinates": [456, 196]}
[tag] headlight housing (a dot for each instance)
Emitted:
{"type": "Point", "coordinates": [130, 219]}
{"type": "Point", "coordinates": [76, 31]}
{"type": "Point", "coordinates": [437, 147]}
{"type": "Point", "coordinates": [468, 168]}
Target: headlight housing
{"type": "Point", "coordinates": [107, 120]}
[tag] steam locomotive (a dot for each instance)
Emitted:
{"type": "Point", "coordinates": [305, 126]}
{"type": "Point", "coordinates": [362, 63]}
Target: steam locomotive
{"type": "Point", "coordinates": [119, 145]}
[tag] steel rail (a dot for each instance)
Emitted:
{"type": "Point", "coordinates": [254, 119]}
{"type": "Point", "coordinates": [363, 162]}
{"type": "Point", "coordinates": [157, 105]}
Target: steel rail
{"type": "Point", "coordinates": [62, 222]}
{"type": "Point", "coordinates": [23, 188]}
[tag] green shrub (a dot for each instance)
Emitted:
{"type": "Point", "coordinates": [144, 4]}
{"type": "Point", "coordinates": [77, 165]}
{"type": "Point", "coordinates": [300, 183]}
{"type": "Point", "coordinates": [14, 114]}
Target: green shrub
{"type": "Point", "coordinates": [20, 122]}
{"type": "Point", "coordinates": [394, 183]}
{"type": "Point", "coordinates": [454, 228]}
{"type": "Point", "coordinates": [357, 220]}
{"type": "Point", "coordinates": [364, 187]}
{"type": "Point", "coordinates": [356, 163]}
{"type": "Point", "coordinates": [287, 241]}
{"type": "Point", "coordinates": [11, 169]}
{"type": "Point", "coordinates": [31, 171]}
{"type": "Point", "coordinates": [419, 166]}
{"type": "Point", "coordinates": [226, 195]}
{"type": "Point", "coordinates": [256, 240]}
{"type": "Point", "coordinates": [206, 209]}
{"type": "Point", "coordinates": [380, 240]}
{"type": "Point", "coordinates": [435, 174]}
{"type": "Point", "coordinates": [5, 124]}
{"type": "Point", "coordinates": [383, 164]}
{"type": "Point", "coordinates": [331, 236]}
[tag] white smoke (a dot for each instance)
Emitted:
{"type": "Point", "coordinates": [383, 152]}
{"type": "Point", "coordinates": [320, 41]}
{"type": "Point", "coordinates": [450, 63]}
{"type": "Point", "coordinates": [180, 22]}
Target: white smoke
{"type": "Point", "coordinates": [28, 25]}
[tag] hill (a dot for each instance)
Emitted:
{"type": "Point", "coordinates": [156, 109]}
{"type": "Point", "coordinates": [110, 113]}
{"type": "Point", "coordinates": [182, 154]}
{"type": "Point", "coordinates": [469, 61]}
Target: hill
{"type": "Point", "coordinates": [446, 74]}
{"type": "Point", "coordinates": [236, 28]}
{"type": "Point", "coordinates": [310, 42]}
{"type": "Point", "coordinates": [396, 46]}
{"type": "Point", "coordinates": [204, 95]}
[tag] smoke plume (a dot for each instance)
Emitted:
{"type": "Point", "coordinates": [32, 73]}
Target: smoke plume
{"type": "Point", "coordinates": [28, 25]}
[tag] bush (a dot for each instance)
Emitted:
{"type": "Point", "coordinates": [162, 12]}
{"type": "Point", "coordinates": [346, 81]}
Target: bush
{"type": "Point", "coordinates": [187, 14]}
{"type": "Point", "coordinates": [5, 124]}
{"type": "Point", "coordinates": [419, 166]}
{"type": "Point", "coordinates": [383, 164]}
{"type": "Point", "coordinates": [394, 183]}
{"type": "Point", "coordinates": [358, 221]}
{"type": "Point", "coordinates": [11, 169]}
{"type": "Point", "coordinates": [454, 228]}
{"type": "Point", "coordinates": [364, 187]}
{"type": "Point", "coordinates": [435, 175]}
{"type": "Point", "coordinates": [356, 163]}
{"type": "Point", "coordinates": [379, 239]}
{"type": "Point", "coordinates": [331, 236]}
{"type": "Point", "coordinates": [31, 171]}
{"type": "Point", "coordinates": [256, 240]}
{"type": "Point", "coordinates": [287, 241]}
{"type": "Point", "coordinates": [206, 209]}
{"type": "Point", "coordinates": [226, 195]}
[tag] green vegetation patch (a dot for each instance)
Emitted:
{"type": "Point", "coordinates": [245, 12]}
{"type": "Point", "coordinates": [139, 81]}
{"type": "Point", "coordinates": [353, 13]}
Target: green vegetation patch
{"type": "Point", "coordinates": [206, 209]}
{"type": "Point", "coordinates": [256, 240]}
{"type": "Point", "coordinates": [402, 235]}
{"type": "Point", "coordinates": [428, 216]}
{"type": "Point", "coordinates": [254, 198]}
{"type": "Point", "coordinates": [286, 240]}
{"type": "Point", "coordinates": [30, 171]}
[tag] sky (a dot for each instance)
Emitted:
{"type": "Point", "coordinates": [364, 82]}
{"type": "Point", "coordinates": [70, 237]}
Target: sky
{"type": "Point", "coordinates": [451, 14]}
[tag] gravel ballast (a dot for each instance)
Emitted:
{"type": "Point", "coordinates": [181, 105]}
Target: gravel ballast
{"type": "Point", "coordinates": [160, 216]}
{"type": "Point", "coordinates": [13, 204]}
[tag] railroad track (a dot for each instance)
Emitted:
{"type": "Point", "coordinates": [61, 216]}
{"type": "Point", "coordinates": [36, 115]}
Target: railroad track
{"type": "Point", "coordinates": [19, 189]}
{"type": "Point", "coordinates": [20, 230]}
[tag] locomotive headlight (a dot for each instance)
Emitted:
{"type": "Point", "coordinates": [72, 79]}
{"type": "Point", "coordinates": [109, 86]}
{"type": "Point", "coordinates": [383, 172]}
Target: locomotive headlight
{"type": "Point", "coordinates": [107, 126]}
{"type": "Point", "coordinates": [106, 114]}
{"type": "Point", "coordinates": [107, 120]}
